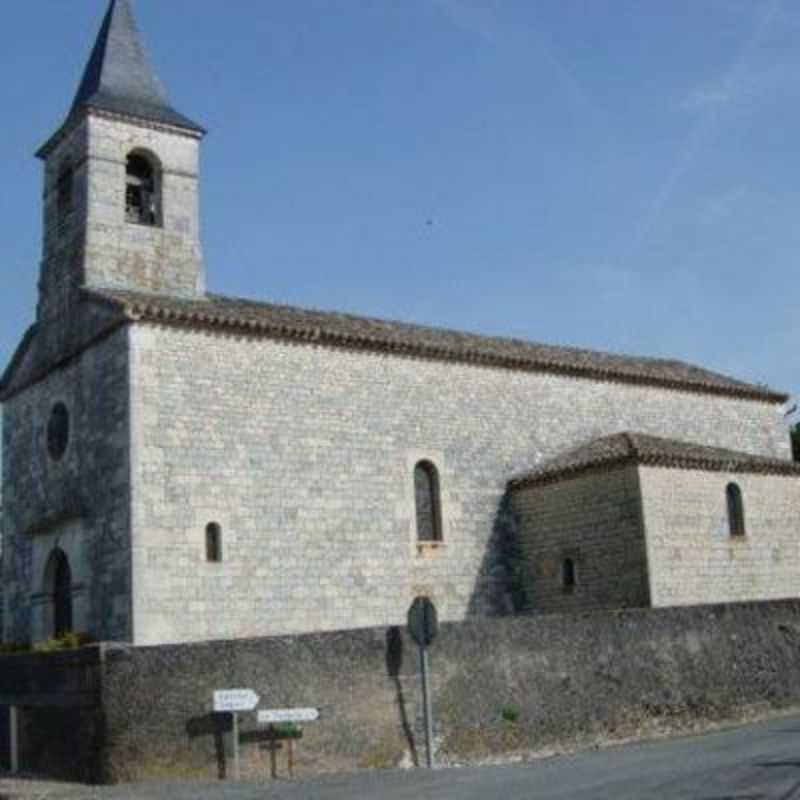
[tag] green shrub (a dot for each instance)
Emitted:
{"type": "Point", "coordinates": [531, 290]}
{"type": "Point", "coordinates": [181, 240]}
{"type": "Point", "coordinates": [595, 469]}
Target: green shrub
{"type": "Point", "coordinates": [64, 641]}
{"type": "Point", "coordinates": [14, 648]}
{"type": "Point", "coordinates": [510, 714]}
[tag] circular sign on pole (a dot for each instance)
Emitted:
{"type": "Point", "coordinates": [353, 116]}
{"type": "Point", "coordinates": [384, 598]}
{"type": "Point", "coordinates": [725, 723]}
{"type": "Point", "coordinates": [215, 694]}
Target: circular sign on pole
{"type": "Point", "coordinates": [423, 621]}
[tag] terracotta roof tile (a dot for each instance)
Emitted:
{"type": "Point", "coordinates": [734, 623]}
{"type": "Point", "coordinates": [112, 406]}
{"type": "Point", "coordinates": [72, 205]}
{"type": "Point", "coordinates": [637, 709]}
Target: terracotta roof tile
{"type": "Point", "coordinates": [640, 448]}
{"type": "Point", "coordinates": [347, 330]}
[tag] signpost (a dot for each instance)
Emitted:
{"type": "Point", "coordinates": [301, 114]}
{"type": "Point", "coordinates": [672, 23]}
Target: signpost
{"type": "Point", "coordinates": [278, 716]}
{"type": "Point", "coordinates": [13, 719]}
{"type": "Point", "coordinates": [423, 625]}
{"type": "Point", "coordinates": [233, 701]}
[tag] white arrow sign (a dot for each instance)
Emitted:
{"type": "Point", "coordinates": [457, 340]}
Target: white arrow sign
{"type": "Point", "coordinates": [235, 700]}
{"type": "Point", "coordinates": [288, 715]}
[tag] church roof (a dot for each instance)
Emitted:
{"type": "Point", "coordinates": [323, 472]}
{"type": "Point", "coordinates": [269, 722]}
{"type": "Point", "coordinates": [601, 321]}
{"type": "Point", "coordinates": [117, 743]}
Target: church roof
{"type": "Point", "coordinates": [655, 451]}
{"type": "Point", "coordinates": [119, 78]}
{"type": "Point", "coordinates": [337, 329]}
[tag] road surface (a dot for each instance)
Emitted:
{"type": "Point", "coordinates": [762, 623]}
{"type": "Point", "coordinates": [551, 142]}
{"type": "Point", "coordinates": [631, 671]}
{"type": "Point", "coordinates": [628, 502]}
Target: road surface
{"type": "Point", "coordinates": [756, 762]}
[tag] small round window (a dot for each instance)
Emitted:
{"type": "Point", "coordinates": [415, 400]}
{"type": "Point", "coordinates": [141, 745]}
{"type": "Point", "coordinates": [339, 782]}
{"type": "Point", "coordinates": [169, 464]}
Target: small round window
{"type": "Point", "coordinates": [58, 432]}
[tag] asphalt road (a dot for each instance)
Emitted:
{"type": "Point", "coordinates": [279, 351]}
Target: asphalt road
{"type": "Point", "coordinates": [757, 762]}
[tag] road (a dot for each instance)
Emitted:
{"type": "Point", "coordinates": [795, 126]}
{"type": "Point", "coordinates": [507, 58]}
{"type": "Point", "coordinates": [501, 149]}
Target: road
{"type": "Point", "coordinates": [756, 762]}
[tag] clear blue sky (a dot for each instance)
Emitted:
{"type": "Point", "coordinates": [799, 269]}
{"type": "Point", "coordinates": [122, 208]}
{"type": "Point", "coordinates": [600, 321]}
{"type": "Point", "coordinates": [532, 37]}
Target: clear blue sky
{"type": "Point", "coordinates": [617, 174]}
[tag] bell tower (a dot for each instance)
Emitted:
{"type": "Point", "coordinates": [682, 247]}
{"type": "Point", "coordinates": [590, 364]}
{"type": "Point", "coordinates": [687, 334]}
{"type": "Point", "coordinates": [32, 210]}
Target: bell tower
{"type": "Point", "coordinates": [121, 181]}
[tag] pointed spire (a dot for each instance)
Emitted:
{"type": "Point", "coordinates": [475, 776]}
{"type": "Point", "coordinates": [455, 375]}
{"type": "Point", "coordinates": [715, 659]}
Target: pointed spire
{"type": "Point", "coordinates": [119, 77]}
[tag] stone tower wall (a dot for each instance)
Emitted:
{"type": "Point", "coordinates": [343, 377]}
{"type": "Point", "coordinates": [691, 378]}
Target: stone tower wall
{"type": "Point", "coordinates": [96, 246]}
{"type": "Point", "coordinates": [64, 239]}
{"type": "Point", "coordinates": [304, 456]}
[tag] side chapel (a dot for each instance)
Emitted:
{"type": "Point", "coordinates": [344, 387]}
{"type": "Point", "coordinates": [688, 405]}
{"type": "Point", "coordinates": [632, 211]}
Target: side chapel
{"type": "Point", "coordinates": [180, 465]}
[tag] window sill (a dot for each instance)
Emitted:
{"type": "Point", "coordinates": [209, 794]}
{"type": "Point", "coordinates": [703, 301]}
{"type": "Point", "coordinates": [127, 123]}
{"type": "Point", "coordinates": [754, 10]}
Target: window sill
{"type": "Point", "coordinates": [430, 547]}
{"type": "Point", "coordinates": [141, 224]}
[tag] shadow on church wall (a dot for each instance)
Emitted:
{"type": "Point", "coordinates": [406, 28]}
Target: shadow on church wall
{"type": "Point", "coordinates": [500, 584]}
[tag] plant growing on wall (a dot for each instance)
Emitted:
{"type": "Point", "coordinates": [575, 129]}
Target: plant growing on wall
{"type": "Point", "coordinates": [510, 714]}
{"type": "Point", "coordinates": [66, 641]}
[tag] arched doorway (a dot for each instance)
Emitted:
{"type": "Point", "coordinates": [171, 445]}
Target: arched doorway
{"type": "Point", "coordinates": [58, 585]}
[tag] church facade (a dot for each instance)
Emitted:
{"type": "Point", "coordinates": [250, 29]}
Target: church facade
{"type": "Point", "coordinates": [183, 466]}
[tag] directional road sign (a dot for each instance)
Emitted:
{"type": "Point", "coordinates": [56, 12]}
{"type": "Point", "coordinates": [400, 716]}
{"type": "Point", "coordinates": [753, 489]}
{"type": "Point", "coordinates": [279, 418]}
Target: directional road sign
{"type": "Point", "coordinates": [277, 715]}
{"type": "Point", "coordinates": [235, 700]}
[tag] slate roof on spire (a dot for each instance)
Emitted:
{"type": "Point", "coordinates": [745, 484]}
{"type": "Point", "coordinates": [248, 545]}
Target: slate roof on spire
{"type": "Point", "coordinates": [119, 77]}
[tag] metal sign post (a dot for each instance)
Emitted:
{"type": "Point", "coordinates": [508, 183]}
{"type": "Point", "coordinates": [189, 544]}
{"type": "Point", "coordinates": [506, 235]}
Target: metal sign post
{"type": "Point", "coordinates": [426, 702]}
{"type": "Point", "coordinates": [423, 625]}
{"type": "Point", "coordinates": [237, 773]}
{"type": "Point", "coordinates": [13, 719]}
{"type": "Point", "coordinates": [233, 701]}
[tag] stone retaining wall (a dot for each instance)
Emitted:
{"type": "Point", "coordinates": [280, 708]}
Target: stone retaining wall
{"type": "Point", "coordinates": [500, 687]}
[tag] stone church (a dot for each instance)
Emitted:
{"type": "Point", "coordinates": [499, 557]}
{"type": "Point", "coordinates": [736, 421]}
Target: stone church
{"type": "Point", "coordinates": [180, 465]}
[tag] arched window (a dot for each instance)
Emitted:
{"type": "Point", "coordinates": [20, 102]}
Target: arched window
{"type": "Point", "coordinates": [426, 493]}
{"type": "Point", "coordinates": [213, 543]}
{"type": "Point", "coordinates": [58, 585]}
{"type": "Point", "coordinates": [568, 576]}
{"type": "Point", "coordinates": [733, 495]}
{"type": "Point", "coordinates": [142, 190]}
{"type": "Point", "coordinates": [64, 198]}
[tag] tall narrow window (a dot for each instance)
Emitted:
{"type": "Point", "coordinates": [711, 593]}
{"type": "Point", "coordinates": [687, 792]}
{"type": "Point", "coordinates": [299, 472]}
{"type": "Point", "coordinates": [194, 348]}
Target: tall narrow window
{"type": "Point", "coordinates": [733, 495]}
{"type": "Point", "coordinates": [58, 432]}
{"type": "Point", "coordinates": [213, 543]}
{"type": "Point", "coordinates": [58, 585]}
{"type": "Point", "coordinates": [64, 199]}
{"type": "Point", "coordinates": [141, 191]}
{"type": "Point", "coordinates": [426, 492]}
{"type": "Point", "coordinates": [568, 576]}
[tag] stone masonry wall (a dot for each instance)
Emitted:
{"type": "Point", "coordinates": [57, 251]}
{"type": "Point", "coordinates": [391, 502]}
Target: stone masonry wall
{"type": "Point", "coordinates": [80, 503]}
{"type": "Point", "coordinates": [692, 556]}
{"type": "Point", "coordinates": [63, 237]}
{"type": "Point", "coordinates": [499, 687]}
{"type": "Point", "coordinates": [594, 520]}
{"type": "Point", "coordinates": [95, 245]}
{"type": "Point", "coordinates": [304, 456]}
{"type": "Point", "coordinates": [166, 257]}
{"type": "Point", "coordinates": [61, 728]}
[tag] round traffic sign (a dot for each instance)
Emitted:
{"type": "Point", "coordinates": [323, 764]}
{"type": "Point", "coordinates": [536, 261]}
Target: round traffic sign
{"type": "Point", "coordinates": [423, 621]}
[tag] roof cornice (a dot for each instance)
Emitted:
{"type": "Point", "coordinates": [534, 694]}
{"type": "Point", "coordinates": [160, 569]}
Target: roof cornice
{"type": "Point", "coordinates": [220, 314]}
{"type": "Point", "coordinates": [75, 118]}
